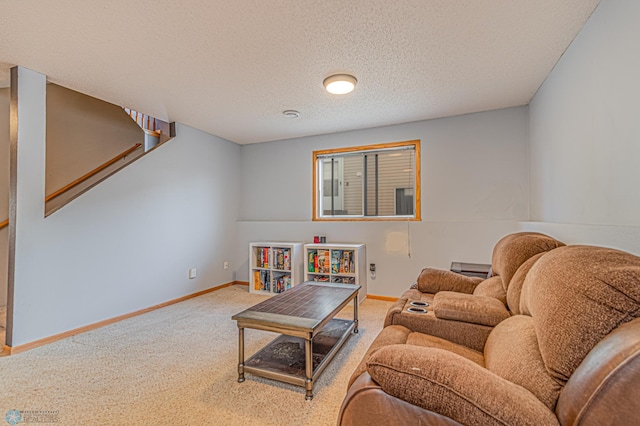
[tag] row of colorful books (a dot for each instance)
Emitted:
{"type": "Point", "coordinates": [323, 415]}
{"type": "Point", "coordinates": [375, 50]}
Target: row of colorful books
{"type": "Point", "coordinates": [262, 257]}
{"type": "Point", "coordinates": [262, 281]}
{"type": "Point", "coordinates": [279, 259]}
{"type": "Point", "coordinates": [331, 261]}
{"type": "Point", "coordinates": [282, 283]}
{"type": "Point", "coordinates": [282, 258]}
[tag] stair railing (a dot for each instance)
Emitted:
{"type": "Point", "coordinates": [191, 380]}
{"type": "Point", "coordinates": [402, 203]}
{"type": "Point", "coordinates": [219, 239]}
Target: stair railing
{"type": "Point", "coordinates": [83, 178]}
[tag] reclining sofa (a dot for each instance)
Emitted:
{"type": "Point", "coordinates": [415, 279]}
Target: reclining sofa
{"type": "Point", "coordinates": [571, 356]}
{"type": "Point", "coordinates": [464, 309]}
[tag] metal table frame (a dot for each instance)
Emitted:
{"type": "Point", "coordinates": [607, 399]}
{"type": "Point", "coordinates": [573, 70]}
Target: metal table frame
{"type": "Point", "coordinates": [305, 328]}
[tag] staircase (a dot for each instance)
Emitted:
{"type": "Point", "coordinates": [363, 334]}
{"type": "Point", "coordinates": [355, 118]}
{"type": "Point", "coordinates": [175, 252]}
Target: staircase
{"type": "Point", "coordinates": [153, 129]}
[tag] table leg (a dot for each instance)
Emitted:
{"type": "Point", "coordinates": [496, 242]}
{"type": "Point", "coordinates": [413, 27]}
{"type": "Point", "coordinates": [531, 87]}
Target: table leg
{"type": "Point", "coordinates": [240, 354]}
{"type": "Point", "coordinates": [308, 354]}
{"type": "Point", "coordinates": [355, 313]}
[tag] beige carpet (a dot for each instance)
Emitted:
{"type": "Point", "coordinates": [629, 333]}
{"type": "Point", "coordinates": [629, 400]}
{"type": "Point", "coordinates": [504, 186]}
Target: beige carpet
{"type": "Point", "coordinates": [176, 365]}
{"type": "Point", "coordinates": [3, 323]}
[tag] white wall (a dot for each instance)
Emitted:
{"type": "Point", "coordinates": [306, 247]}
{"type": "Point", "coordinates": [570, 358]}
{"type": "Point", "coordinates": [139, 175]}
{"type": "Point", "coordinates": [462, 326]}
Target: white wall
{"type": "Point", "coordinates": [585, 133]}
{"type": "Point", "coordinates": [4, 189]}
{"type": "Point", "coordinates": [126, 244]}
{"type": "Point", "coordinates": [474, 191]}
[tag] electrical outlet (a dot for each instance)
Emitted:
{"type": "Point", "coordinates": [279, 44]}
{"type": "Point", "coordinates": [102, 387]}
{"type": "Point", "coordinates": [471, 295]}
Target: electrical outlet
{"type": "Point", "coordinates": [193, 272]}
{"type": "Point", "coordinates": [226, 265]}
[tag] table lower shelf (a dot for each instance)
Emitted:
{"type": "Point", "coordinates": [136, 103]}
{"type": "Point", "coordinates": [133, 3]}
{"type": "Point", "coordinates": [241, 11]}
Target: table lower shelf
{"type": "Point", "coordinates": [284, 358]}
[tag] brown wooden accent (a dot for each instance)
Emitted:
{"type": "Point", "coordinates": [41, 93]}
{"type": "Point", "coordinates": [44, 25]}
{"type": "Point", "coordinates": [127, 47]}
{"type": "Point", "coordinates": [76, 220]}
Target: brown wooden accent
{"type": "Point", "coordinates": [314, 200]}
{"type": "Point", "coordinates": [4, 223]}
{"type": "Point", "coordinates": [92, 172]}
{"type": "Point", "coordinates": [37, 343]}
{"type": "Point", "coordinates": [384, 298]}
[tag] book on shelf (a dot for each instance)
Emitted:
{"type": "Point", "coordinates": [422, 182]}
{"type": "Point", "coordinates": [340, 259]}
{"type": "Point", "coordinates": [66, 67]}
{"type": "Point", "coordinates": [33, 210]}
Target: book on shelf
{"type": "Point", "coordinates": [336, 261]}
{"type": "Point", "coordinates": [324, 261]}
{"type": "Point", "coordinates": [311, 261]}
{"type": "Point", "coordinates": [278, 256]}
{"type": "Point", "coordinates": [262, 257]}
{"type": "Point", "coordinates": [347, 266]}
{"type": "Point", "coordinates": [287, 282]}
{"type": "Point", "coordinates": [286, 259]}
{"type": "Point", "coordinates": [282, 283]}
{"type": "Point", "coordinates": [265, 280]}
{"type": "Point", "coordinates": [256, 280]}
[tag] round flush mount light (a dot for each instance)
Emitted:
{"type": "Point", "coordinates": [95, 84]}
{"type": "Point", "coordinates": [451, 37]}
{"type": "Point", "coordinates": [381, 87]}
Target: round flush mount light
{"type": "Point", "coordinates": [340, 84]}
{"type": "Point", "coordinates": [291, 113]}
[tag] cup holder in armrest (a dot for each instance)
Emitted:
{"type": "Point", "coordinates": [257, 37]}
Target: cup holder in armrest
{"type": "Point", "coordinates": [419, 304]}
{"type": "Point", "coordinates": [415, 310]}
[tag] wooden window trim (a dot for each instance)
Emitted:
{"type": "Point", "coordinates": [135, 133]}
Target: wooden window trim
{"type": "Point", "coordinates": [418, 212]}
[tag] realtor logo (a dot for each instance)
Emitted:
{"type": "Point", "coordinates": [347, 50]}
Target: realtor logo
{"type": "Point", "coordinates": [13, 417]}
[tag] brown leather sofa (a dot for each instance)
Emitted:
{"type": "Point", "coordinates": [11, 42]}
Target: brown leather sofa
{"type": "Point", "coordinates": [571, 357]}
{"type": "Point", "coordinates": [464, 309]}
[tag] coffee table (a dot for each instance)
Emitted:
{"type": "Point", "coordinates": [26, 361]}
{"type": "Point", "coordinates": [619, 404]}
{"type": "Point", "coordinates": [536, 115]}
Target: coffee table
{"type": "Point", "coordinates": [311, 336]}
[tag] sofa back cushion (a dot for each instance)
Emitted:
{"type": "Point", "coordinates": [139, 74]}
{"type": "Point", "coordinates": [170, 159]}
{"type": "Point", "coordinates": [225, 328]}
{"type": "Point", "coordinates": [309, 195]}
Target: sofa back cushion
{"type": "Point", "coordinates": [512, 353]}
{"type": "Point", "coordinates": [576, 296]}
{"type": "Point", "coordinates": [515, 286]}
{"type": "Point", "coordinates": [514, 249]}
{"type": "Point", "coordinates": [492, 287]}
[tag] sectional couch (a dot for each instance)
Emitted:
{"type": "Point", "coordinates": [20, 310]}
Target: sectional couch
{"type": "Point", "coordinates": [568, 353]}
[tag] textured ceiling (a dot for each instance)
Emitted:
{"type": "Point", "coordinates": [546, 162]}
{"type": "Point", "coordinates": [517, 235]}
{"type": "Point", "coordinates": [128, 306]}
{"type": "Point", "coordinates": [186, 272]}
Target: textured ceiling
{"type": "Point", "coordinates": [231, 67]}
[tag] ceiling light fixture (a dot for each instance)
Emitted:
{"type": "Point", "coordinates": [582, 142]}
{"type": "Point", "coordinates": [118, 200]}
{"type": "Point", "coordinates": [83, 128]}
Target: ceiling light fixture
{"type": "Point", "coordinates": [290, 113]}
{"type": "Point", "coordinates": [340, 84]}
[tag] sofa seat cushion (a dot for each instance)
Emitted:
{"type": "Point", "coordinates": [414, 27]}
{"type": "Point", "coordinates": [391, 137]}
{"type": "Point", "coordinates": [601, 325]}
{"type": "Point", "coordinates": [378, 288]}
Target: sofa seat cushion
{"type": "Point", "coordinates": [512, 353]}
{"type": "Point", "coordinates": [449, 384]}
{"type": "Point", "coordinates": [391, 335]}
{"type": "Point", "coordinates": [492, 287]}
{"type": "Point", "coordinates": [428, 341]}
{"type": "Point", "coordinates": [481, 310]}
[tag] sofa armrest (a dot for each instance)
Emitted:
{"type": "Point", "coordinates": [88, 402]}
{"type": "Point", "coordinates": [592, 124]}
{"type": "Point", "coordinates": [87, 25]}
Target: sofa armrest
{"type": "Point", "coordinates": [449, 384]}
{"type": "Point", "coordinates": [433, 280]}
{"type": "Point", "coordinates": [483, 310]}
{"type": "Point", "coordinates": [367, 404]}
{"type": "Point", "coordinates": [394, 310]}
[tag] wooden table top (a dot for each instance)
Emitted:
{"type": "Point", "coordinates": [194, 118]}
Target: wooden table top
{"type": "Point", "coordinates": [305, 306]}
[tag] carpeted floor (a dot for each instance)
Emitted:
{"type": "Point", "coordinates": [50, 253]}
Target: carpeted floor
{"type": "Point", "coordinates": [176, 365]}
{"type": "Point", "coordinates": [3, 323]}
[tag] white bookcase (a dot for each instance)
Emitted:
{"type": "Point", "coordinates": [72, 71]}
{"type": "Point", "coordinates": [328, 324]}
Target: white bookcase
{"type": "Point", "coordinates": [337, 263]}
{"type": "Point", "coordinates": [274, 266]}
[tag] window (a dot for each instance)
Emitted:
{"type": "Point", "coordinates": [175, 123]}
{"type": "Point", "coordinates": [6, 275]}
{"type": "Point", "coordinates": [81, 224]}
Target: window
{"type": "Point", "coordinates": [374, 182]}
